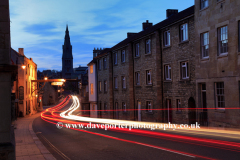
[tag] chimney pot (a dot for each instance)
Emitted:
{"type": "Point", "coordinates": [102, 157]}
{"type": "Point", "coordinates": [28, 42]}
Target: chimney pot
{"type": "Point", "coordinates": [21, 51]}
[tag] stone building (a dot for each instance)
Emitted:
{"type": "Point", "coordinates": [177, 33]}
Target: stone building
{"type": "Point", "coordinates": [217, 25]}
{"type": "Point", "coordinates": [26, 93]}
{"type": "Point", "coordinates": [67, 57]}
{"type": "Point", "coordinates": [178, 66]}
{"type": "Point", "coordinates": [7, 76]}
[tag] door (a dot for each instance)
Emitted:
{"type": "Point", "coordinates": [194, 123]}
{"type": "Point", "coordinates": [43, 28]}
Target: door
{"type": "Point", "coordinates": [204, 118]}
{"type": "Point", "coordinates": [192, 111]}
{"type": "Point", "coordinates": [139, 110]}
{"type": "Point", "coordinates": [169, 109]}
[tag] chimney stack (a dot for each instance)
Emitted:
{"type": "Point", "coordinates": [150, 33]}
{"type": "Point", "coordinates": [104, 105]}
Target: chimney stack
{"type": "Point", "coordinates": [21, 51]}
{"type": "Point", "coordinates": [170, 12]}
{"type": "Point", "coordinates": [130, 34]}
{"type": "Point", "coordinates": [146, 25]}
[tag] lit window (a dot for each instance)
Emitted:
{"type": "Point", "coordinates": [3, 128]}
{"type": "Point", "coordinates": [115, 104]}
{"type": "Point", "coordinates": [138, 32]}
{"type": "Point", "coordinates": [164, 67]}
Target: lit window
{"type": "Point", "coordinates": [149, 106]}
{"type": "Point", "coordinates": [137, 78]}
{"type": "Point", "coordinates": [91, 69]}
{"type": "Point", "coordinates": [166, 37]}
{"type": "Point", "coordinates": [123, 55]}
{"type": "Point", "coordinates": [115, 58]}
{"type": "Point", "coordinates": [124, 107]}
{"type": "Point", "coordinates": [137, 50]}
{"type": "Point", "coordinates": [222, 40]}
{"type": "Point", "coordinates": [148, 46]}
{"type": "Point", "coordinates": [148, 77]}
{"type": "Point", "coordinates": [91, 88]}
{"type": "Point", "coordinates": [219, 95]}
{"type": "Point", "coordinates": [184, 70]}
{"type": "Point", "coordinates": [123, 82]}
{"type": "Point", "coordinates": [104, 63]}
{"type": "Point", "coordinates": [204, 3]}
{"type": "Point", "coordinates": [115, 83]}
{"type": "Point", "coordinates": [184, 32]}
{"type": "Point", "coordinates": [167, 72]}
{"type": "Point", "coordinates": [205, 45]}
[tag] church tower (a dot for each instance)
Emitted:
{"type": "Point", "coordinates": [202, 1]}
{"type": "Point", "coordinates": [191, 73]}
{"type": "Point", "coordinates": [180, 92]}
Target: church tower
{"type": "Point", "coordinates": [67, 57]}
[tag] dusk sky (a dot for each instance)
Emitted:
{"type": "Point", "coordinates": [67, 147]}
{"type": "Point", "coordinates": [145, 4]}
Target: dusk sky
{"type": "Point", "coordinates": [39, 26]}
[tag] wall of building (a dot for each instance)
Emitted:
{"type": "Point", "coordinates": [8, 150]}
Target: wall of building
{"type": "Point", "coordinates": [217, 68]}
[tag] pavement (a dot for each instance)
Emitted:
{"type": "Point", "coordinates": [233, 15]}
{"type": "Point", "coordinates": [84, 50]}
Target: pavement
{"type": "Point", "coordinates": [28, 146]}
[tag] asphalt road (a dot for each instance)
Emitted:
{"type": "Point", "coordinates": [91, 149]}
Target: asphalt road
{"type": "Point", "coordinates": [78, 145]}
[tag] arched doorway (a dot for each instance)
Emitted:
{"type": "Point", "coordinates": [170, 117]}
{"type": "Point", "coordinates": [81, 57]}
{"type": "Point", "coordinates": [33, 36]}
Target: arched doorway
{"type": "Point", "coordinates": [191, 111]}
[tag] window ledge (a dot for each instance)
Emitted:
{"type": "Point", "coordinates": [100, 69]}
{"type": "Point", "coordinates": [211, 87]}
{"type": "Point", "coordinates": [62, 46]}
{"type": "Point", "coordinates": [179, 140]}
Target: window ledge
{"type": "Point", "coordinates": [115, 64]}
{"type": "Point", "coordinates": [137, 57]}
{"type": "Point", "coordinates": [115, 89]}
{"type": "Point", "coordinates": [205, 59]}
{"type": "Point", "coordinates": [146, 54]}
{"type": "Point", "coordinates": [220, 1]}
{"type": "Point", "coordinates": [138, 86]}
{"type": "Point", "coordinates": [124, 89]}
{"type": "Point", "coordinates": [148, 112]}
{"type": "Point", "coordinates": [167, 81]}
{"type": "Point", "coordinates": [149, 85]}
{"type": "Point", "coordinates": [182, 42]}
{"type": "Point", "coordinates": [223, 55]}
{"type": "Point", "coordinates": [179, 112]}
{"type": "Point", "coordinates": [220, 110]}
{"type": "Point", "coordinates": [165, 47]}
{"type": "Point", "coordinates": [203, 9]}
{"type": "Point", "coordinates": [186, 79]}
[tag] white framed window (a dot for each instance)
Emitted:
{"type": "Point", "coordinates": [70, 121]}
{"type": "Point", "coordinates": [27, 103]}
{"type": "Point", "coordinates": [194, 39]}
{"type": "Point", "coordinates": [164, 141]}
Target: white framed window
{"type": "Point", "coordinates": [137, 50]}
{"type": "Point", "coordinates": [105, 86]}
{"type": "Point", "coordinates": [115, 82]}
{"type": "Point", "coordinates": [100, 86]}
{"type": "Point", "coordinates": [166, 38]}
{"type": "Point", "coordinates": [178, 104]}
{"type": "Point", "coordinates": [123, 82]}
{"type": "Point", "coordinates": [167, 70]}
{"type": "Point", "coordinates": [205, 44]}
{"type": "Point", "coordinates": [148, 46]}
{"type": "Point", "coordinates": [137, 78]}
{"type": "Point", "coordinates": [124, 107]}
{"type": "Point", "coordinates": [105, 63]}
{"type": "Point", "coordinates": [203, 4]}
{"type": "Point", "coordinates": [91, 69]}
{"type": "Point", "coordinates": [91, 88]}
{"type": "Point", "coordinates": [184, 70]}
{"type": "Point", "coordinates": [115, 58]}
{"type": "Point", "coordinates": [149, 106]}
{"type": "Point", "coordinates": [222, 40]}
{"type": "Point", "coordinates": [99, 64]}
{"type": "Point", "coordinates": [184, 32]}
{"type": "Point", "coordinates": [148, 77]}
{"type": "Point", "coordinates": [123, 56]}
{"type": "Point", "coordinates": [219, 95]}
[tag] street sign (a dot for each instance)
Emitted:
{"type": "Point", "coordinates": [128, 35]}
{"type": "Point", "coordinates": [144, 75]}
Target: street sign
{"type": "Point", "coordinates": [21, 93]}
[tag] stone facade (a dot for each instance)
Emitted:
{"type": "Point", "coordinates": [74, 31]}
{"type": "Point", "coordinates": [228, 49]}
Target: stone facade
{"type": "Point", "coordinates": [218, 73]}
{"type": "Point", "coordinates": [179, 90]}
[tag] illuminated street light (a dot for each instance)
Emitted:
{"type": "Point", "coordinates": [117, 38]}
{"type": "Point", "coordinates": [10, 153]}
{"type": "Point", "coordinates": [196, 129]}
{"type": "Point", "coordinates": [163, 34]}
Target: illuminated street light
{"type": "Point", "coordinates": [23, 66]}
{"type": "Point", "coordinates": [58, 90]}
{"type": "Point", "coordinates": [36, 95]}
{"type": "Point", "coordinates": [63, 80]}
{"type": "Point", "coordinates": [45, 78]}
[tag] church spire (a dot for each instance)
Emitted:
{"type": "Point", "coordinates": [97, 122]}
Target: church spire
{"type": "Point", "coordinates": [67, 37]}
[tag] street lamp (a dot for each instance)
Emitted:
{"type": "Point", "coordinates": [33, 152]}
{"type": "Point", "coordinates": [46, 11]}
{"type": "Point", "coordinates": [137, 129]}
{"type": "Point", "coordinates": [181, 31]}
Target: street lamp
{"type": "Point", "coordinates": [23, 66]}
{"type": "Point", "coordinates": [45, 78]}
{"type": "Point", "coordinates": [36, 95]}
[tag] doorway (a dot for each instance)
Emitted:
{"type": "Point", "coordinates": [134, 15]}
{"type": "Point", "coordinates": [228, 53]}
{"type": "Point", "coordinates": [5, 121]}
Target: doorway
{"type": "Point", "coordinates": [191, 111]}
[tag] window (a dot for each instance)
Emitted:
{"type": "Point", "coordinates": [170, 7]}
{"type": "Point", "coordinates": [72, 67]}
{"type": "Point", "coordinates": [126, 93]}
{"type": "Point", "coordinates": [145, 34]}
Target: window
{"type": "Point", "coordinates": [148, 77]}
{"type": "Point", "coordinates": [148, 46]}
{"type": "Point", "coordinates": [124, 107]}
{"type": "Point", "coordinates": [123, 82]}
{"type": "Point", "coordinates": [222, 40]}
{"type": "Point", "coordinates": [184, 32]}
{"type": "Point", "coordinates": [238, 36]}
{"type": "Point", "coordinates": [105, 63]}
{"type": "Point", "coordinates": [137, 78]}
{"type": "Point", "coordinates": [167, 69]}
{"type": "Point", "coordinates": [115, 58]}
{"type": "Point", "coordinates": [100, 86]}
{"type": "Point", "coordinates": [123, 55]}
{"type": "Point", "coordinates": [91, 69]}
{"type": "Point", "coordinates": [91, 88]}
{"type": "Point", "coordinates": [149, 106]}
{"type": "Point", "coordinates": [115, 83]}
{"type": "Point", "coordinates": [105, 107]}
{"type": "Point", "coordinates": [184, 70]}
{"type": "Point", "coordinates": [166, 39]}
{"type": "Point", "coordinates": [178, 104]}
{"type": "Point", "coordinates": [219, 95]}
{"type": "Point", "coordinates": [205, 45]}
{"type": "Point", "coordinates": [203, 4]}
{"type": "Point", "coordinates": [99, 64]}
{"type": "Point", "coordinates": [105, 86]}
{"type": "Point", "coordinates": [137, 50]}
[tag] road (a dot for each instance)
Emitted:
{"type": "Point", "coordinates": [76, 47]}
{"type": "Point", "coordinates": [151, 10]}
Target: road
{"type": "Point", "coordinates": [103, 144]}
